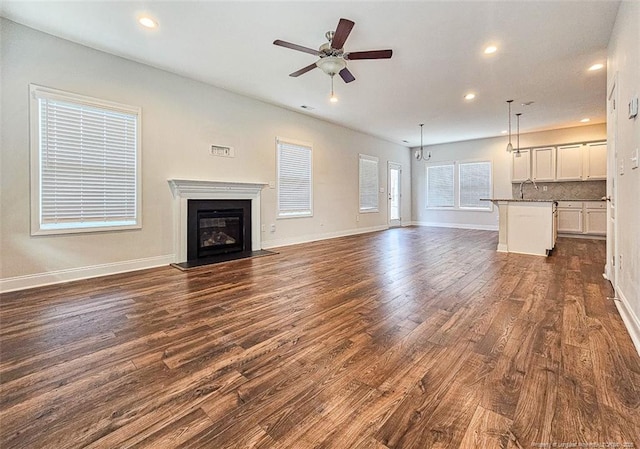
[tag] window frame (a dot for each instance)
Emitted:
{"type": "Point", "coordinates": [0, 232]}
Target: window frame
{"type": "Point", "coordinates": [440, 164]}
{"type": "Point", "coordinates": [280, 215]}
{"type": "Point", "coordinates": [456, 185]}
{"type": "Point", "coordinates": [489, 204]}
{"type": "Point", "coordinates": [368, 210]}
{"type": "Point", "coordinates": [37, 227]}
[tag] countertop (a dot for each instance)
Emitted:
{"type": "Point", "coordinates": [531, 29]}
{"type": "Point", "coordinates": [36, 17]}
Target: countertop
{"type": "Point", "coordinates": [530, 200]}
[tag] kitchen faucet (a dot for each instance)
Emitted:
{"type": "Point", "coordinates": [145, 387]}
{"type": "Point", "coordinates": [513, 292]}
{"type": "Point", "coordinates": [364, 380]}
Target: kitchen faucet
{"type": "Point", "coordinates": [522, 185]}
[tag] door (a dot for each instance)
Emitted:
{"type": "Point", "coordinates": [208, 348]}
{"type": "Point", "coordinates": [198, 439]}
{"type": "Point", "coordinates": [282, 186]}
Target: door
{"type": "Point", "coordinates": [395, 195]}
{"type": "Point", "coordinates": [613, 259]}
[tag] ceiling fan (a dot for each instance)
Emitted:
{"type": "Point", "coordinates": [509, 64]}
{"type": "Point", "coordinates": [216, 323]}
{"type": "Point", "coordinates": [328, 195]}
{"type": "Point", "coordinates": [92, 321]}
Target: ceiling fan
{"type": "Point", "coordinates": [333, 58]}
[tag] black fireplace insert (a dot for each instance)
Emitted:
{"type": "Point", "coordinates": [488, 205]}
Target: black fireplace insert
{"type": "Point", "coordinates": [217, 227]}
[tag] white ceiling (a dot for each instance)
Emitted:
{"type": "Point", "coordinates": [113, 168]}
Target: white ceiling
{"type": "Point", "coordinates": [544, 50]}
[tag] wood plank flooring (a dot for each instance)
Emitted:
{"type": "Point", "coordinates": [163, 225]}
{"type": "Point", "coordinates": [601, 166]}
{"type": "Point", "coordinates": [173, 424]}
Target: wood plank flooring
{"type": "Point", "coordinates": [408, 338]}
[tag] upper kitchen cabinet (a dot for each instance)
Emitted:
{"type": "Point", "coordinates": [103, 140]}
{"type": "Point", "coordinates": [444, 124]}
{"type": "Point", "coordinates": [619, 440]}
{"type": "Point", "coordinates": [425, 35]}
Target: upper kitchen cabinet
{"type": "Point", "coordinates": [583, 162]}
{"type": "Point", "coordinates": [520, 165]}
{"type": "Point", "coordinates": [544, 164]}
{"type": "Point", "coordinates": [595, 161]}
{"type": "Point", "coordinates": [569, 167]}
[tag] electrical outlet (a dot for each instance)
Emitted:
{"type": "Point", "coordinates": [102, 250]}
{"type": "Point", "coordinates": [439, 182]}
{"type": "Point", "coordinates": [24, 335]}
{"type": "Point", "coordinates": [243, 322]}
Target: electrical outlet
{"type": "Point", "coordinates": [620, 264]}
{"type": "Point", "coordinates": [357, 218]}
{"type": "Point", "coordinates": [273, 228]}
{"type": "Point", "coordinates": [263, 228]}
{"type": "Point", "coordinates": [544, 188]}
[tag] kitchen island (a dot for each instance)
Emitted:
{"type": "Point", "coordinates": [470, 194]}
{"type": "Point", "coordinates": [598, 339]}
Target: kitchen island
{"type": "Point", "coordinates": [526, 226]}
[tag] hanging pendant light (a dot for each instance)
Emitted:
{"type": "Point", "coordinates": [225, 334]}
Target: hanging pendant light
{"type": "Point", "coordinates": [509, 146]}
{"type": "Point", "coordinates": [419, 153]}
{"type": "Point", "coordinates": [518, 133]}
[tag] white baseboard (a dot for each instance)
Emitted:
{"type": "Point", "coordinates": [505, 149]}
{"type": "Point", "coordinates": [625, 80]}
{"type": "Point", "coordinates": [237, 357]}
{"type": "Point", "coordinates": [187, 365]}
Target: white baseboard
{"type": "Point", "coordinates": [315, 237]}
{"type": "Point", "coordinates": [75, 274]}
{"type": "Point", "coordinates": [584, 236]}
{"type": "Point", "coordinates": [456, 225]}
{"type": "Point", "coordinates": [630, 319]}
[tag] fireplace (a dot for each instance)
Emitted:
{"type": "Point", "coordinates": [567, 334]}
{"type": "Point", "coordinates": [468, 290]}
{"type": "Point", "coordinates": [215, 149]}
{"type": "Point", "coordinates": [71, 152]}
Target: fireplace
{"type": "Point", "coordinates": [217, 227]}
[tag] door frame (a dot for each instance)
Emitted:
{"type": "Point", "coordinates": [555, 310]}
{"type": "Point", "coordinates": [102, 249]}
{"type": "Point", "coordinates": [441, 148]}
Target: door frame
{"type": "Point", "coordinates": [394, 166]}
{"type": "Point", "coordinates": [612, 266]}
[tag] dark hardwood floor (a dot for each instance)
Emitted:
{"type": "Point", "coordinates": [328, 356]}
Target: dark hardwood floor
{"type": "Point", "coordinates": [408, 338]}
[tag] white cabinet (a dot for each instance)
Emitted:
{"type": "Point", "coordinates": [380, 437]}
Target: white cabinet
{"type": "Point", "coordinates": [520, 166]}
{"type": "Point", "coordinates": [569, 166]}
{"type": "Point", "coordinates": [575, 162]}
{"type": "Point", "coordinates": [544, 164]}
{"type": "Point", "coordinates": [570, 217]}
{"type": "Point", "coordinates": [582, 162]}
{"type": "Point", "coordinates": [595, 218]}
{"type": "Point", "coordinates": [587, 218]}
{"type": "Point", "coordinates": [595, 161]}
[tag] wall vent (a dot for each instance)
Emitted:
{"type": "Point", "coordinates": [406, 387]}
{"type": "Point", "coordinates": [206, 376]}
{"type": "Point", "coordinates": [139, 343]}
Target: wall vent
{"type": "Point", "coordinates": [222, 151]}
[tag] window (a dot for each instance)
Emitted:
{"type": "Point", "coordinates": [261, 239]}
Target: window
{"type": "Point", "coordinates": [440, 186]}
{"type": "Point", "coordinates": [368, 177]}
{"type": "Point", "coordinates": [85, 172]}
{"type": "Point", "coordinates": [461, 189]}
{"type": "Point", "coordinates": [475, 183]}
{"type": "Point", "coordinates": [294, 179]}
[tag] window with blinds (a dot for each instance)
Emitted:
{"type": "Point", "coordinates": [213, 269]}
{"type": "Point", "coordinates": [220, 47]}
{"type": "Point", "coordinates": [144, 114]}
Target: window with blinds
{"type": "Point", "coordinates": [368, 177]}
{"type": "Point", "coordinates": [85, 163]}
{"type": "Point", "coordinates": [294, 179]}
{"type": "Point", "coordinates": [475, 183]}
{"type": "Point", "coordinates": [440, 186]}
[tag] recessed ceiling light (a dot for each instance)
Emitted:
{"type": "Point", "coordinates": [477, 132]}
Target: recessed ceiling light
{"type": "Point", "coordinates": [585, 120]}
{"type": "Point", "coordinates": [504, 131]}
{"type": "Point", "coordinates": [490, 49]}
{"type": "Point", "coordinates": [470, 96]}
{"type": "Point", "coordinates": [147, 22]}
{"type": "Point", "coordinates": [596, 67]}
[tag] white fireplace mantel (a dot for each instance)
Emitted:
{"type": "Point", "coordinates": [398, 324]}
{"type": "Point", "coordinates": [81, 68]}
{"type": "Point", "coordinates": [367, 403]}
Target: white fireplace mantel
{"type": "Point", "coordinates": [191, 189]}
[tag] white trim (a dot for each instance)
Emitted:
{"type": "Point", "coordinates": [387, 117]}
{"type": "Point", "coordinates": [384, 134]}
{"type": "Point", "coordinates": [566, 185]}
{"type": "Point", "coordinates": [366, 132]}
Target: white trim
{"type": "Point", "coordinates": [37, 92]}
{"type": "Point", "coordinates": [583, 236]}
{"type": "Point", "coordinates": [76, 274]}
{"type": "Point", "coordinates": [315, 237]}
{"type": "Point", "coordinates": [186, 189]}
{"type": "Point", "coordinates": [631, 321]}
{"type": "Point", "coordinates": [456, 225]}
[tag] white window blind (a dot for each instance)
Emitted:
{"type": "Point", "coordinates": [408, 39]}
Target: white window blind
{"type": "Point", "coordinates": [294, 179]}
{"type": "Point", "coordinates": [368, 176]}
{"type": "Point", "coordinates": [475, 183]}
{"type": "Point", "coordinates": [440, 186]}
{"type": "Point", "coordinates": [86, 172]}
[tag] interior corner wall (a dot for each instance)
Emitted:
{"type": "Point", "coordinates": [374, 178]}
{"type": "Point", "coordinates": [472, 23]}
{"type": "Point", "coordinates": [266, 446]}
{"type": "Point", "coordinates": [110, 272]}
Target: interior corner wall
{"type": "Point", "coordinates": [181, 118]}
{"type": "Point", "coordinates": [623, 69]}
{"type": "Point", "coordinates": [492, 149]}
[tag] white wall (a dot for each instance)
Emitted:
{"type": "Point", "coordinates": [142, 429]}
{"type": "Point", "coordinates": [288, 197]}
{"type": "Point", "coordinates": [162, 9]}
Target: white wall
{"type": "Point", "coordinates": [492, 149]}
{"type": "Point", "coordinates": [180, 119]}
{"type": "Point", "coordinates": [623, 68]}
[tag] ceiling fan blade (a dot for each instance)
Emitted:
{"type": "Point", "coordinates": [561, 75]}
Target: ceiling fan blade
{"type": "Point", "coordinates": [342, 33]}
{"type": "Point", "coordinates": [295, 47]}
{"type": "Point", "coordinates": [304, 70]}
{"type": "Point", "coordinates": [372, 54]}
{"type": "Point", "coordinates": [346, 75]}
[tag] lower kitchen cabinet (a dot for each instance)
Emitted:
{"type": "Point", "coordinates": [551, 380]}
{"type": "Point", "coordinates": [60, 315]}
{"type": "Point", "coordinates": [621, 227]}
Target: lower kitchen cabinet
{"type": "Point", "coordinates": [582, 217]}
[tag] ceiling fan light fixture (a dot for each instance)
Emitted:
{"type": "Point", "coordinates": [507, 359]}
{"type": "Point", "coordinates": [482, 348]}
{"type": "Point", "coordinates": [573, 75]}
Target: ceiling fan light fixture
{"type": "Point", "coordinates": [331, 64]}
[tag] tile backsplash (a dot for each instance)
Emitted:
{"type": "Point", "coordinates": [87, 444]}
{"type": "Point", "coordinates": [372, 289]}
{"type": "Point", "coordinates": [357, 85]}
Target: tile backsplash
{"type": "Point", "coordinates": [572, 190]}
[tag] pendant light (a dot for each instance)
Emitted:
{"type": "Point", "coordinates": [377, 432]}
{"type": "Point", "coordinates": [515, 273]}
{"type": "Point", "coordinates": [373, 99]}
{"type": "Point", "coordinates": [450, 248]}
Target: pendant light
{"type": "Point", "coordinates": [419, 153]}
{"type": "Point", "coordinates": [509, 146]}
{"type": "Point", "coordinates": [518, 133]}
